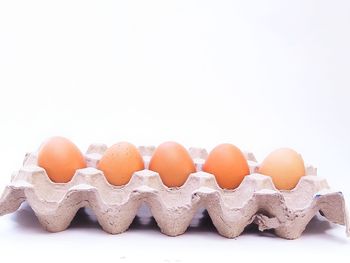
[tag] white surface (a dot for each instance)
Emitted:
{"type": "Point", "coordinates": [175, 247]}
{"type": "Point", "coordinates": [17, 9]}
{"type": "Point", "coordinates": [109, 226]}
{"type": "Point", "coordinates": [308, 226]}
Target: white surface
{"type": "Point", "coordinates": [259, 74]}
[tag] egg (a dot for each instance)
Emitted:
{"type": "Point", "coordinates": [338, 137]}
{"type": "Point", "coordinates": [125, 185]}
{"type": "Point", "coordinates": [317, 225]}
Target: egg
{"type": "Point", "coordinates": [120, 162]}
{"type": "Point", "coordinates": [285, 166]}
{"type": "Point", "coordinates": [60, 158]}
{"type": "Point", "coordinates": [173, 163]}
{"type": "Point", "coordinates": [228, 164]}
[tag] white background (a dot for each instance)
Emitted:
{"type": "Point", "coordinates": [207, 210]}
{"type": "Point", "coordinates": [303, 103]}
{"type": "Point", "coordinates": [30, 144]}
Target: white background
{"type": "Point", "coordinates": [259, 74]}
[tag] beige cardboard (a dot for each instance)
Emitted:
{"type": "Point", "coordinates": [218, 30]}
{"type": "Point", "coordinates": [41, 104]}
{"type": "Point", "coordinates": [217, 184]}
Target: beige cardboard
{"type": "Point", "coordinates": [256, 200]}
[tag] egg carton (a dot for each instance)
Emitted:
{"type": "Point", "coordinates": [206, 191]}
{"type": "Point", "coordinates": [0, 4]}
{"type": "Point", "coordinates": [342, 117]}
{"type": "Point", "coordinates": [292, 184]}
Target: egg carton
{"type": "Point", "coordinates": [256, 200]}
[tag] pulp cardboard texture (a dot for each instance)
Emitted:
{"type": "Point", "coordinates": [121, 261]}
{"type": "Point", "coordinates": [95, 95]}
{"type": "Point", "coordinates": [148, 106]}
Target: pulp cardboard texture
{"type": "Point", "coordinates": [256, 200]}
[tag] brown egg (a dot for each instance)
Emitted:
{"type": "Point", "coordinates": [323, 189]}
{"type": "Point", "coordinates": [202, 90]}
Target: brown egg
{"type": "Point", "coordinates": [60, 158]}
{"type": "Point", "coordinates": [120, 162]}
{"type": "Point", "coordinates": [285, 166]}
{"type": "Point", "coordinates": [228, 164]}
{"type": "Point", "coordinates": [173, 163]}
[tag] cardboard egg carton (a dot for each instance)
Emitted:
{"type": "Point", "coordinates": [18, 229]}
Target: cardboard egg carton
{"type": "Point", "coordinates": [256, 200]}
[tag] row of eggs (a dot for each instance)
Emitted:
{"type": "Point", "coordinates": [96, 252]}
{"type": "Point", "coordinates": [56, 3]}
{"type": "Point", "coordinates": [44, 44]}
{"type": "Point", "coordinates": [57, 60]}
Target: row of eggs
{"type": "Point", "coordinates": [61, 158]}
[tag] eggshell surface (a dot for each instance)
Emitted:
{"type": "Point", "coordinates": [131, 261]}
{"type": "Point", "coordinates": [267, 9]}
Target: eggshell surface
{"type": "Point", "coordinates": [60, 158]}
{"type": "Point", "coordinates": [228, 164]}
{"type": "Point", "coordinates": [173, 163]}
{"type": "Point", "coordinates": [285, 166]}
{"type": "Point", "coordinates": [120, 162]}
